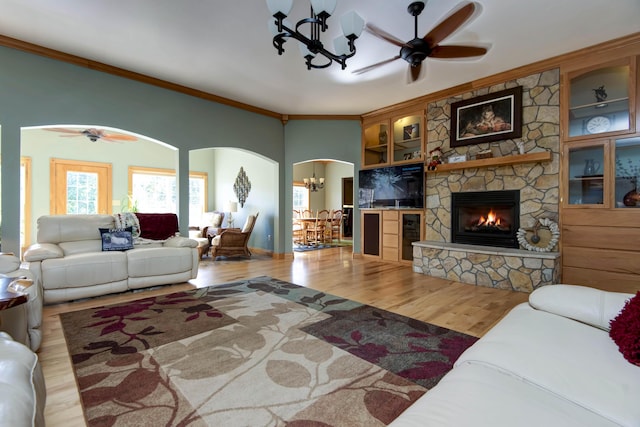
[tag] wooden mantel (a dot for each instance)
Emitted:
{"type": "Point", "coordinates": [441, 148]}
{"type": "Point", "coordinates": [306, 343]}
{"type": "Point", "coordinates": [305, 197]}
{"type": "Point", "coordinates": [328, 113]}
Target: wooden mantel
{"type": "Point", "coordinates": [541, 156]}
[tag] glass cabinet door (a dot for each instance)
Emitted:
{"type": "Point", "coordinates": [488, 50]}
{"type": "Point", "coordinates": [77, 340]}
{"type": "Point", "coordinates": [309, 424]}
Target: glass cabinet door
{"type": "Point", "coordinates": [586, 173]}
{"type": "Point", "coordinates": [599, 100]}
{"type": "Point", "coordinates": [627, 173]}
{"type": "Point", "coordinates": [407, 138]}
{"type": "Point", "coordinates": [375, 144]}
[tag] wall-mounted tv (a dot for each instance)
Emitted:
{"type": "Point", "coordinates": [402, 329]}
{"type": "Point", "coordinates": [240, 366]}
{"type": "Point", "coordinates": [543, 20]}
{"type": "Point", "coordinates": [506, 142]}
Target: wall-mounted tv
{"type": "Point", "coordinates": [393, 186]}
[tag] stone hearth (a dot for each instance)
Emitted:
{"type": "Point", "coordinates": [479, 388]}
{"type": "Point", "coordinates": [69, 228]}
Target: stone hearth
{"type": "Point", "coordinates": [503, 268]}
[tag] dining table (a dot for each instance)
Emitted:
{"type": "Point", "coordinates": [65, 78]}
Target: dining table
{"type": "Point", "coordinates": [306, 223]}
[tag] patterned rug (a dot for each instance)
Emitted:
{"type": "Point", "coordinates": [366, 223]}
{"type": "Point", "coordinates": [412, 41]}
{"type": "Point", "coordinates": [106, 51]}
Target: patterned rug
{"type": "Point", "coordinates": [257, 352]}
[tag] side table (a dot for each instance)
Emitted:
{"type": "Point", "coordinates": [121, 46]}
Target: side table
{"type": "Point", "coordinates": [13, 309]}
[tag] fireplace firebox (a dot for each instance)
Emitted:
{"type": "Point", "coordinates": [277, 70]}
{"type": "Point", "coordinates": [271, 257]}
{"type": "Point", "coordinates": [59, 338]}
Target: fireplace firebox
{"type": "Point", "coordinates": [487, 218]}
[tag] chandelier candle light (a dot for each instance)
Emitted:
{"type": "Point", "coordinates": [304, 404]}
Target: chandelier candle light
{"type": "Point", "coordinates": [311, 184]}
{"type": "Point", "coordinates": [311, 46]}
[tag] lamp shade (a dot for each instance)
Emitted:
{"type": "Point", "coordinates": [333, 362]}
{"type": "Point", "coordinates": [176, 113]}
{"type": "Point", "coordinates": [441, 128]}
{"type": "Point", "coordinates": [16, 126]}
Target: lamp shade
{"type": "Point", "coordinates": [326, 6]}
{"type": "Point", "coordinates": [341, 45]}
{"type": "Point", "coordinates": [231, 207]}
{"type": "Point", "coordinates": [282, 6]}
{"type": "Point", "coordinates": [352, 24]}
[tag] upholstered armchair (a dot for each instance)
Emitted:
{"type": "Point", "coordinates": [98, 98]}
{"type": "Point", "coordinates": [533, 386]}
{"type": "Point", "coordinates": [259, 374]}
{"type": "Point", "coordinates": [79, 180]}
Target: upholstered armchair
{"type": "Point", "coordinates": [233, 242]}
{"type": "Point", "coordinates": [211, 221]}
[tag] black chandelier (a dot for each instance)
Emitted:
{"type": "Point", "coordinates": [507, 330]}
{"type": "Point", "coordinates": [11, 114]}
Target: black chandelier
{"type": "Point", "coordinates": [313, 184]}
{"type": "Point", "coordinates": [311, 46]}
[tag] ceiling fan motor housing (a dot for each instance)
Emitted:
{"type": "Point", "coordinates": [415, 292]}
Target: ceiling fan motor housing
{"type": "Point", "coordinates": [415, 51]}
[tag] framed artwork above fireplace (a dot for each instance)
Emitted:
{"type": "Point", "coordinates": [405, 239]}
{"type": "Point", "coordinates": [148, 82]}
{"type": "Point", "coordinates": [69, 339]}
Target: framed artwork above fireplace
{"type": "Point", "coordinates": [493, 117]}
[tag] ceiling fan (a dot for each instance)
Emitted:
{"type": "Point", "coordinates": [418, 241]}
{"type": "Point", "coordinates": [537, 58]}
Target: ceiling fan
{"type": "Point", "coordinates": [418, 49]}
{"type": "Point", "coordinates": [94, 134]}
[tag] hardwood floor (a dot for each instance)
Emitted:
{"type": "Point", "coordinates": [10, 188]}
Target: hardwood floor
{"type": "Point", "coordinates": [394, 287]}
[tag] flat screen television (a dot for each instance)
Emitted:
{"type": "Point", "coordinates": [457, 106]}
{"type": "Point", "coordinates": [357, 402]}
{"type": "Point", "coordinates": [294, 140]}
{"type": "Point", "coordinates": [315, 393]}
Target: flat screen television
{"type": "Point", "coordinates": [393, 186]}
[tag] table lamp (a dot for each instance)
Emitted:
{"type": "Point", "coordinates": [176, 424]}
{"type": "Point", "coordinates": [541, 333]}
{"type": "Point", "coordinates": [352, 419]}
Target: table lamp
{"type": "Point", "coordinates": [231, 207]}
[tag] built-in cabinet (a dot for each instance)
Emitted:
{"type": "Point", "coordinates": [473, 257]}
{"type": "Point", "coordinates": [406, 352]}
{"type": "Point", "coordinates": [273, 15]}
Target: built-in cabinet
{"type": "Point", "coordinates": [599, 203]}
{"type": "Point", "coordinates": [393, 139]}
{"type": "Point", "coordinates": [388, 234]}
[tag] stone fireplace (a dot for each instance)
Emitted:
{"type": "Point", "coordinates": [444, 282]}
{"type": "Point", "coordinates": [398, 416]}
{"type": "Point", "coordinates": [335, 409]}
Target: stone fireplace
{"type": "Point", "coordinates": [488, 261]}
{"type": "Point", "coordinates": [489, 218]}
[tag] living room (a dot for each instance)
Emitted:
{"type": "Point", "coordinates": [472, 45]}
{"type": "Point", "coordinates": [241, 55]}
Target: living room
{"type": "Point", "coordinates": [43, 91]}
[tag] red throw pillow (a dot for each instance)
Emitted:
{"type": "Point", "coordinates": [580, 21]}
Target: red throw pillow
{"type": "Point", "coordinates": [625, 330]}
{"type": "Point", "coordinates": [157, 226]}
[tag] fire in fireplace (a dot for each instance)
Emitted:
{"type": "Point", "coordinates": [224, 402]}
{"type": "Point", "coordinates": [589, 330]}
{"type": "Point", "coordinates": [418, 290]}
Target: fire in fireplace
{"type": "Point", "coordinates": [487, 218]}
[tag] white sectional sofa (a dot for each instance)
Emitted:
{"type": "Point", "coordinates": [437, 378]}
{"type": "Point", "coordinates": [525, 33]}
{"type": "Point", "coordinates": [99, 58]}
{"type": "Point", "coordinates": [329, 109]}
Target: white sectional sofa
{"type": "Point", "coordinates": [549, 362]}
{"type": "Point", "coordinates": [69, 263]}
{"type": "Point", "coordinates": [22, 387]}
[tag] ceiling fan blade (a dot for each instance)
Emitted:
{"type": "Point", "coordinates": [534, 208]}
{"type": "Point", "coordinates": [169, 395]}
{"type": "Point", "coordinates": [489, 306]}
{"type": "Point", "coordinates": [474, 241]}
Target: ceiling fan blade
{"type": "Point", "coordinates": [453, 51]}
{"type": "Point", "coordinates": [109, 139]}
{"type": "Point", "coordinates": [377, 64]}
{"type": "Point", "coordinates": [415, 72]}
{"type": "Point", "coordinates": [380, 33]}
{"type": "Point", "coordinates": [63, 130]}
{"type": "Point", "coordinates": [450, 24]}
{"type": "Point", "coordinates": [120, 137]}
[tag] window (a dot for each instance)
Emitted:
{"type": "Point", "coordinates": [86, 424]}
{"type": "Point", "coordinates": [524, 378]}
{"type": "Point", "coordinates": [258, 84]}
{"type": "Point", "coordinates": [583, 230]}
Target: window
{"type": "Point", "coordinates": [154, 190]}
{"type": "Point", "coordinates": [25, 202]}
{"type": "Point", "coordinates": [80, 187]}
{"type": "Point", "coordinates": [300, 197]}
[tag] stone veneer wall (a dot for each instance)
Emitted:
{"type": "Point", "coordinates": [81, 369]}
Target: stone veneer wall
{"type": "Point", "coordinates": [537, 182]}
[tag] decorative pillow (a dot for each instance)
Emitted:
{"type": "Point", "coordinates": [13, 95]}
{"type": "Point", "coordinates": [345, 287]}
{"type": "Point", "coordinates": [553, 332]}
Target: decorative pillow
{"type": "Point", "coordinates": [216, 219]}
{"type": "Point", "coordinates": [128, 219]}
{"type": "Point", "coordinates": [625, 330]}
{"type": "Point", "coordinates": [116, 239]}
{"type": "Point", "coordinates": [157, 226]}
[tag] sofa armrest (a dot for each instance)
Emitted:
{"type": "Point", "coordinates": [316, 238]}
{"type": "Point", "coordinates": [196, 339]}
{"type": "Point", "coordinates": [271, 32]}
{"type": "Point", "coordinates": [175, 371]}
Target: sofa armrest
{"type": "Point", "coordinates": [588, 305]}
{"type": "Point", "coordinates": [180, 242]}
{"type": "Point", "coordinates": [42, 251]}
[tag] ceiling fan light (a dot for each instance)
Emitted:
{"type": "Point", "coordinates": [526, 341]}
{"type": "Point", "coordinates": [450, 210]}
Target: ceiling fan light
{"type": "Point", "coordinates": [341, 45]}
{"type": "Point", "coordinates": [352, 24]}
{"type": "Point", "coordinates": [326, 6]}
{"type": "Point", "coordinates": [279, 6]}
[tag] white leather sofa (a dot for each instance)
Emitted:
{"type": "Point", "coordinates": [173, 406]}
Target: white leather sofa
{"type": "Point", "coordinates": [22, 387]}
{"type": "Point", "coordinates": [549, 362]}
{"type": "Point", "coordinates": [14, 319]}
{"type": "Point", "coordinates": [69, 263]}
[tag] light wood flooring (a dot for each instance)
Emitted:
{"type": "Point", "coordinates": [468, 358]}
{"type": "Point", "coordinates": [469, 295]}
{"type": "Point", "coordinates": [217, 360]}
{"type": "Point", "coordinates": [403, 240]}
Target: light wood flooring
{"type": "Point", "coordinates": [394, 287]}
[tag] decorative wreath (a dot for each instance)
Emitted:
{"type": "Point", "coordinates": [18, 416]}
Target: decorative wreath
{"type": "Point", "coordinates": [542, 237]}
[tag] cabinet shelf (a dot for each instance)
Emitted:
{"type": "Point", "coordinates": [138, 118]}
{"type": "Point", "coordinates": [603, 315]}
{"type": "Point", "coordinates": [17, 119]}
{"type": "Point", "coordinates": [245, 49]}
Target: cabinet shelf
{"type": "Point", "coordinates": [596, 104]}
{"type": "Point", "coordinates": [541, 156]}
{"type": "Point", "coordinates": [376, 148]}
{"type": "Point", "coordinates": [407, 143]}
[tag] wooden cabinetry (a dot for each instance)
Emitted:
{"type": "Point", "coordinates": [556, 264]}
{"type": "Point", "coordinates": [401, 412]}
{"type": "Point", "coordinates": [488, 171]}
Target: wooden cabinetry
{"type": "Point", "coordinates": [599, 213]}
{"type": "Point", "coordinates": [388, 234]}
{"type": "Point", "coordinates": [393, 138]}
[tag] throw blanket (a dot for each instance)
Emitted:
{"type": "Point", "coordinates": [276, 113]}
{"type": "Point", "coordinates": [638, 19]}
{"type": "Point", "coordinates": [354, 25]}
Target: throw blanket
{"type": "Point", "coordinates": [128, 219]}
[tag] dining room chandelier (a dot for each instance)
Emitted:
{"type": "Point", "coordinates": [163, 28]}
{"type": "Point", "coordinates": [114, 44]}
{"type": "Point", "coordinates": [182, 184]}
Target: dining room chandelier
{"type": "Point", "coordinates": [311, 46]}
{"type": "Point", "coordinates": [312, 184]}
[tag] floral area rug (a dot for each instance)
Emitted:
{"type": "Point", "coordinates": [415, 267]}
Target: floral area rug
{"type": "Point", "coordinates": [257, 352]}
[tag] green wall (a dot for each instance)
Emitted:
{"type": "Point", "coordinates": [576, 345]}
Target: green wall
{"type": "Point", "coordinates": [38, 91]}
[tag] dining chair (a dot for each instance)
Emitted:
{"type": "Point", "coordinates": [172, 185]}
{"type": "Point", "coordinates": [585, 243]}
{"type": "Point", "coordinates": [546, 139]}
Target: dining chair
{"type": "Point", "coordinates": [298, 227]}
{"type": "Point", "coordinates": [334, 228]}
{"type": "Point", "coordinates": [322, 222]}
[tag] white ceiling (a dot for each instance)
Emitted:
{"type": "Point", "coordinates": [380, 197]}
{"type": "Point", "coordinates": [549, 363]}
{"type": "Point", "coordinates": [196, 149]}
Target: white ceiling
{"type": "Point", "coordinates": [224, 47]}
